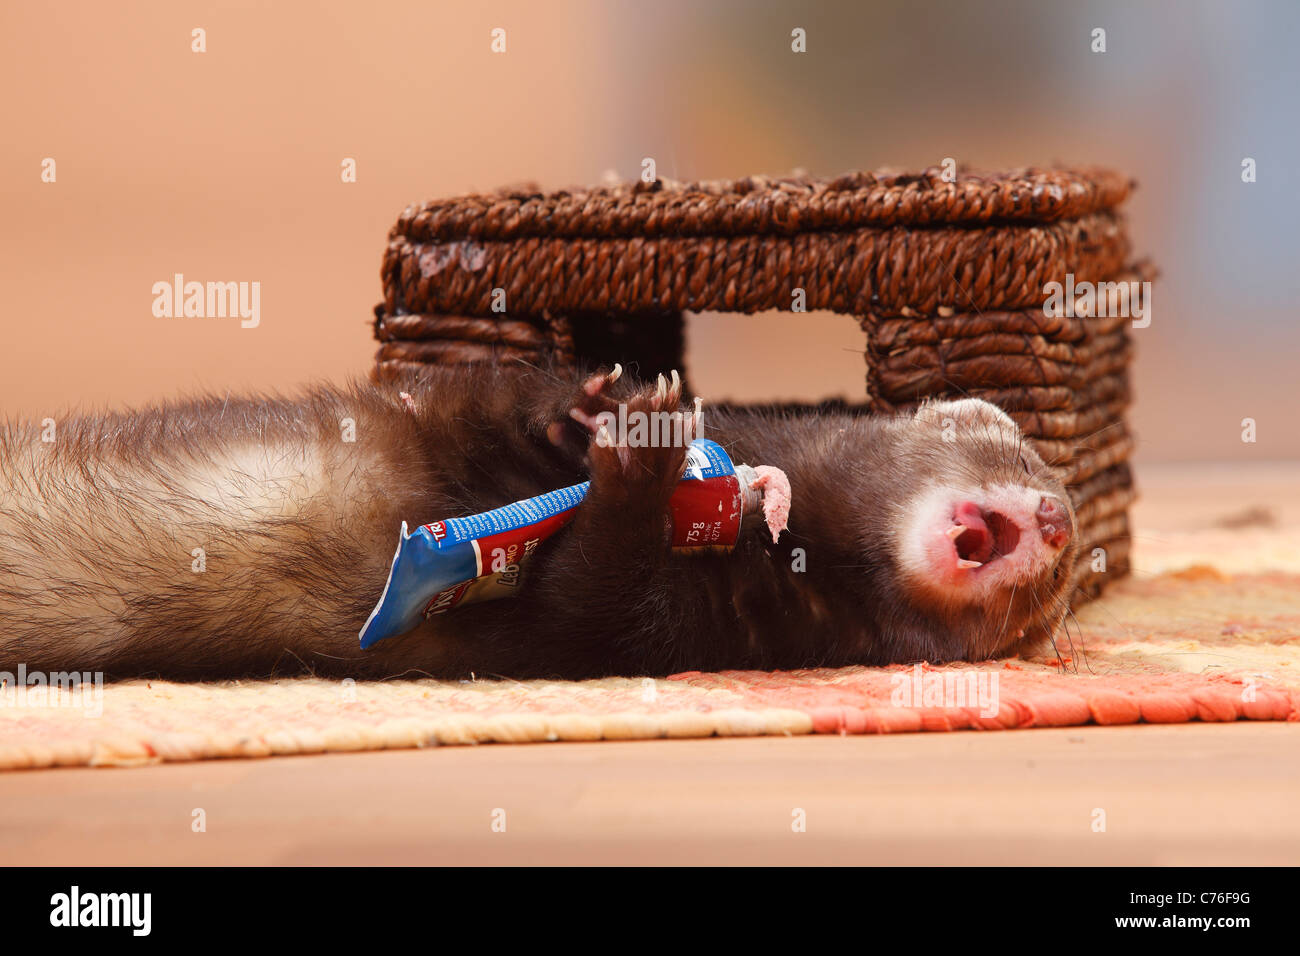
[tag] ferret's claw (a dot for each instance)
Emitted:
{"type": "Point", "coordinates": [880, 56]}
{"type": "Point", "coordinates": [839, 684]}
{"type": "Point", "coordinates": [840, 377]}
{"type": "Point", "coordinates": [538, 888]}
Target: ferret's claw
{"type": "Point", "coordinates": [596, 383]}
{"type": "Point", "coordinates": [661, 391]}
{"type": "Point", "coordinates": [603, 438]}
{"type": "Point", "coordinates": [677, 381]}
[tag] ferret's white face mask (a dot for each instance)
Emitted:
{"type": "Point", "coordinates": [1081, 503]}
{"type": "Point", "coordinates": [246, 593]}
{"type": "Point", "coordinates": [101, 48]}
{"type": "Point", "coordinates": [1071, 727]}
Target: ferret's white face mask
{"type": "Point", "coordinates": [964, 540]}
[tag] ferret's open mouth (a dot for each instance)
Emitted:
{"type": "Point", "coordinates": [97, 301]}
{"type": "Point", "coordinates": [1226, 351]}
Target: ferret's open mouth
{"type": "Point", "coordinates": [981, 536]}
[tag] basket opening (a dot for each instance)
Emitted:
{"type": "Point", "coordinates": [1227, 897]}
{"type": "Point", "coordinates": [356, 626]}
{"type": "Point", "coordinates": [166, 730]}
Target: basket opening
{"type": "Point", "coordinates": [776, 356]}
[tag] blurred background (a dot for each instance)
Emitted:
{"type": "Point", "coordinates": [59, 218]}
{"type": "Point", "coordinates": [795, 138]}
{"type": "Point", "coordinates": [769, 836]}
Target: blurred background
{"type": "Point", "coordinates": [225, 166]}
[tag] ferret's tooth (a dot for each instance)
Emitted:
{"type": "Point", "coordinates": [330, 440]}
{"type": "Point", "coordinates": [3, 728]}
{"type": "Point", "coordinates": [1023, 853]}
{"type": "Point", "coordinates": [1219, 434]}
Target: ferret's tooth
{"type": "Point", "coordinates": [955, 531]}
{"type": "Point", "coordinates": [963, 563]}
{"type": "Point", "coordinates": [615, 375]}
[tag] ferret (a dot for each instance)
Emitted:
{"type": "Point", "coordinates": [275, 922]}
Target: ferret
{"type": "Point", "coordinates": [227, 537]}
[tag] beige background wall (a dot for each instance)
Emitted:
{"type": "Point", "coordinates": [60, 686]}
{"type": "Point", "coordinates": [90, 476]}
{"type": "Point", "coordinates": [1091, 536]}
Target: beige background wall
{"type": "Point", "coordinates": [225, 166]}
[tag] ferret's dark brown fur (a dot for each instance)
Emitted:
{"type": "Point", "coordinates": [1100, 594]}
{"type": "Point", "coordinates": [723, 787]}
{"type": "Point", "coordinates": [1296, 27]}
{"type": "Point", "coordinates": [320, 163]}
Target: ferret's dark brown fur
{"type": "Point", "coordinates": [226, 537]}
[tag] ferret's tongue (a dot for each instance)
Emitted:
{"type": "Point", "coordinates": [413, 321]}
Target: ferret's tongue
{"type": "Point", "coordinates": [975, 542]}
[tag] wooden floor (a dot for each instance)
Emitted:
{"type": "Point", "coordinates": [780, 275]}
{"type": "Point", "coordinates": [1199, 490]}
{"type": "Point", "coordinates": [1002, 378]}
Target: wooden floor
{"type": "Point", "coordinates": [1187, 794]}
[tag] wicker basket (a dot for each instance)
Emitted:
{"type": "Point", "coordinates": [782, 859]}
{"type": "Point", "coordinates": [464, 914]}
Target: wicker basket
{"type": "Point", "coordinates": [946, 278]}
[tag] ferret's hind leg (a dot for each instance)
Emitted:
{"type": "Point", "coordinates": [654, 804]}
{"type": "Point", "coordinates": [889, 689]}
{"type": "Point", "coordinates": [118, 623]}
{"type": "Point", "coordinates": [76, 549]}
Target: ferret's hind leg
{"type": "Point", "coordinates": [197, 539]}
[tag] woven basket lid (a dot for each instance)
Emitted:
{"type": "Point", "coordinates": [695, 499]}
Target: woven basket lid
{"type": "Point", "coordinates": [760, 205]}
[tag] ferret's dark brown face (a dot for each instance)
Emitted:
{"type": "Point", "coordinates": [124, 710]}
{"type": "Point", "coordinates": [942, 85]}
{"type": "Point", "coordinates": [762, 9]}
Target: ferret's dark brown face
{"type": "Point", "coordinates": [985, 542]}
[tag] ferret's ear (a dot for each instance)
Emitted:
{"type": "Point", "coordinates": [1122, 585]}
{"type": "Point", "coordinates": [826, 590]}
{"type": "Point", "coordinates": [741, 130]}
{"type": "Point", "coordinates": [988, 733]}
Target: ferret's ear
{"type": "Point", "coordinates": [969, 410]}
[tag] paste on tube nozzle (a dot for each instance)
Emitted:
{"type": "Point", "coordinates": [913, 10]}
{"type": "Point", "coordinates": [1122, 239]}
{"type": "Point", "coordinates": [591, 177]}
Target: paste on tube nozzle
{"type": "Point", "coordinates": [768, 488]}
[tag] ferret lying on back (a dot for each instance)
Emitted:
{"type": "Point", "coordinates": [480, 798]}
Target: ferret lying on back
{"type": "Point", "coordinates": [246, 536]}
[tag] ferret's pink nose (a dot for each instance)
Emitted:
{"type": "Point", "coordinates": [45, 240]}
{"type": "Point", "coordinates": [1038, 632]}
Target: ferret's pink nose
{"type": "Point", "coordinates": [1054, 521]}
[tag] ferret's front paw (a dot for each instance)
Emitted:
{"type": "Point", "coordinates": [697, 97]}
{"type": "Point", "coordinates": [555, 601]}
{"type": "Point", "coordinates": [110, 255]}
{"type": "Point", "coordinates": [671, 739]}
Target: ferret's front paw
{"type": "Point", "coordinates": [576, 421]}
{"type": "Point", "coordinates": [638, 451]}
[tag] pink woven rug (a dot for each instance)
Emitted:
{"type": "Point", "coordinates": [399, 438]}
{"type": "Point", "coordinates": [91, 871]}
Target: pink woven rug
{"type": "Point", "coordinates": [1192, 645]}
